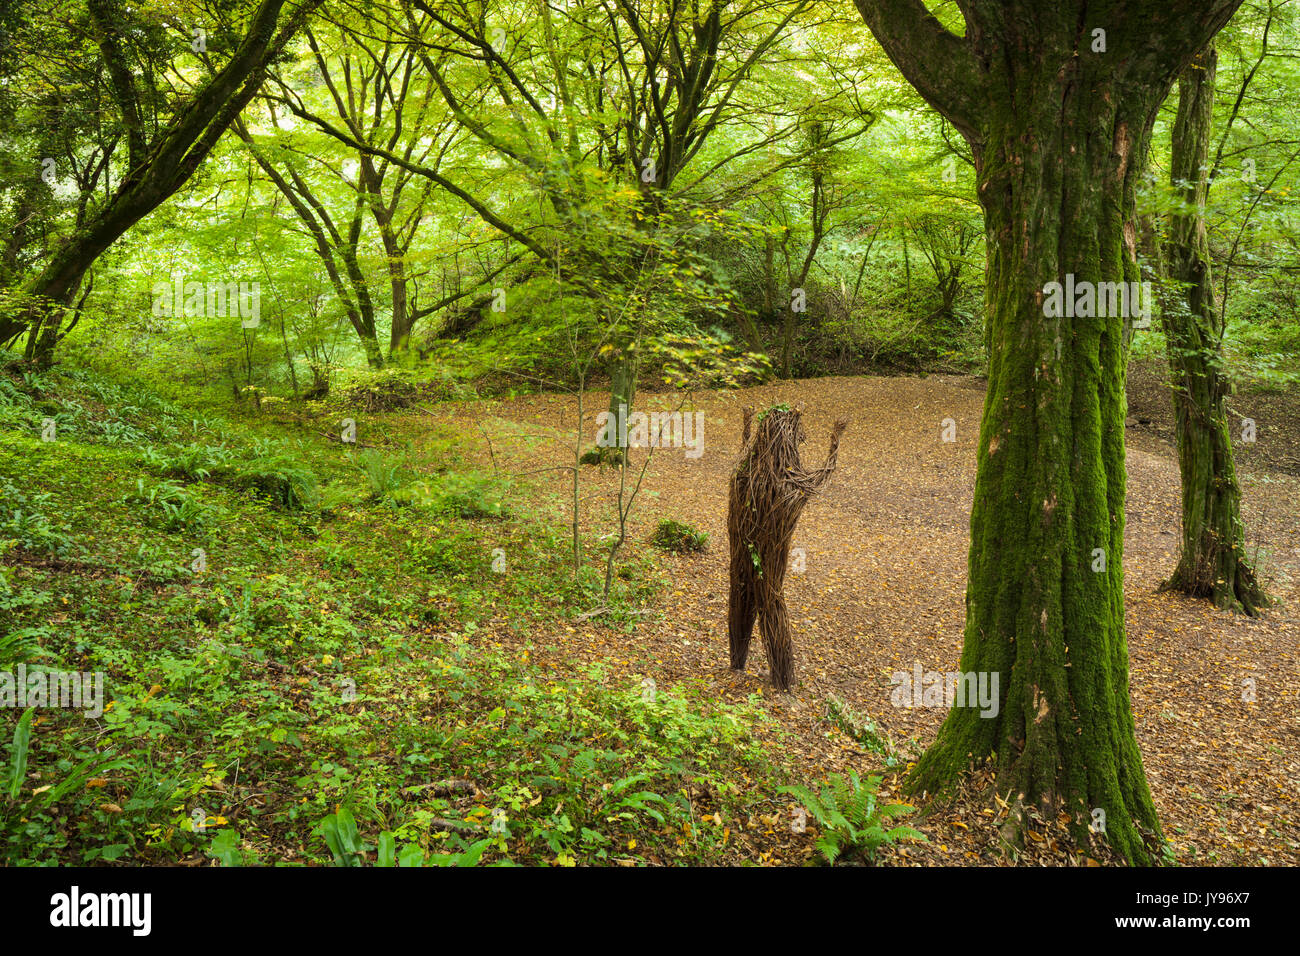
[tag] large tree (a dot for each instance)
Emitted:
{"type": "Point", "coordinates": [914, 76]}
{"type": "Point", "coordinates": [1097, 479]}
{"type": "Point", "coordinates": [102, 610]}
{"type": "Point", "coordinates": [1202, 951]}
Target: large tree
{"type": "Point", "coordinates": [1057, 102]}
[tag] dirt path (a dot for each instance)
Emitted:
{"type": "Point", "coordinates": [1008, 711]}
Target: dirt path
{"type": "Point", "coordinates": [883, 589]}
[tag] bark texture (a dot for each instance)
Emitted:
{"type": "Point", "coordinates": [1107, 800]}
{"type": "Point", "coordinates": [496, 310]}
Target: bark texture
{"type": "Point", "coordinates": [1212, 563]}
{"type": "Point", "coordinates": [1057, 102]}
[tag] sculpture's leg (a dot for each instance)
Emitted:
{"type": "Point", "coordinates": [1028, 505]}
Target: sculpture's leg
{"type": "Point", "coordinates": [742, 606]}
{"type": "Point", "coordinates": [774, 623]}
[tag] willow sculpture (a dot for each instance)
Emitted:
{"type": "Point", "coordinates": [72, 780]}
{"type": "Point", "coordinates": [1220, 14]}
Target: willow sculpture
{"type": "Point", "coordinates": [769, 490]}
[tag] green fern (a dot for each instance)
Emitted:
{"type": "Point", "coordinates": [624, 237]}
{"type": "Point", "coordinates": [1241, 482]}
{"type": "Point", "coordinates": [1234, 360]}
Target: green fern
{"type": "Point", "coordinates": [851, 820]}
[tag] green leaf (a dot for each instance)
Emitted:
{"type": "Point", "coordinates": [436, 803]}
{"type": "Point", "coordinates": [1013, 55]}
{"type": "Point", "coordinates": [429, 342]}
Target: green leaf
{"type": "Point", "coordinates": [22, 738]}
{"type": "Point", "coordinates": [387, 850]}
{"type": "Point", "coordinates": [340, 832]}
{"type": "Point", "coordinates": [830, 847]}
{"type": "Point", "coordinates": [471, 856]}
{"type": "Point", "coordinates": [410, 856]}
{"type": "Point", "coordinates": [113, 851]}
{"type": "Point", "coordinates": [225, 848]}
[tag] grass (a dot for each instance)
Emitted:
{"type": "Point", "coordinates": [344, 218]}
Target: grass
{"type": "Point", "coordinates": [292, 639]}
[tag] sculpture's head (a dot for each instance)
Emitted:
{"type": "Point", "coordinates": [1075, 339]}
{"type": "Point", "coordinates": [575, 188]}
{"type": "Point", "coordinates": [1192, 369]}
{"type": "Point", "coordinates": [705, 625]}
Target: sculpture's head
{"type": "Point", "coordinates": [780, 431]}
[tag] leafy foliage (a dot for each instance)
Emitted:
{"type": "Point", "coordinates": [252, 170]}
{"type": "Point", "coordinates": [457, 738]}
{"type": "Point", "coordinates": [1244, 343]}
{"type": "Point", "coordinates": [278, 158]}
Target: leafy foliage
{"type": "Point", "coordinates": [672, 535]}
{"type": "Point", "coordinates": [853, 822]}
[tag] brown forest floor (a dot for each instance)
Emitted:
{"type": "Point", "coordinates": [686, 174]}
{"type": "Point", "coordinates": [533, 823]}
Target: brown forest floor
{"type": "Point", "coordinates": [884, 587]}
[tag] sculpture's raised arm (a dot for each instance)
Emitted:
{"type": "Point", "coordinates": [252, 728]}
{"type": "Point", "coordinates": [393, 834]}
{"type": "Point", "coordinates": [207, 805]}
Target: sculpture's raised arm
{"type": "Point", "coordinates": [812, 481]}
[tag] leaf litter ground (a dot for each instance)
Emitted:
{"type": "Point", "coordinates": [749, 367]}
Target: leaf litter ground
{"type": "Point", "coordinates": [883, 589]}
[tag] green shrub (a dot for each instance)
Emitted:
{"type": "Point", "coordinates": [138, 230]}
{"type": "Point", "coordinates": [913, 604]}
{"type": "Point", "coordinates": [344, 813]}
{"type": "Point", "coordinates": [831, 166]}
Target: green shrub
{"type": "Point", "coordinates": [385, 476]}
{"type": "Point", "coordinates": [23, 521]}
{"type": "Point", "coordinates": [377, 390]}
{"type": "Point", "coordinates": [677, 537]}
{"type": "Point", "coordinates": [18, 644]}
{"type": "Point", "coordinates": [468, 496]}
{"type": "Point", "coordinates": [115, 431]}
{"type": "Point", "coordinates": [602, 456]}
{"type": "Point", "coordinates": [282, 481]}
{"type": "Point", "coordinates": [263, 468]}
{"type": "Point", "coordinates": [447, 553]}
{"type": "Point", "coordinates": [868, 733]}
{"type": "Point", "coordinates": [167, 506]}
{"type": "Point", "coordinates": [188, 462]}
{"type": "Point", "coordinates": [346, 847]}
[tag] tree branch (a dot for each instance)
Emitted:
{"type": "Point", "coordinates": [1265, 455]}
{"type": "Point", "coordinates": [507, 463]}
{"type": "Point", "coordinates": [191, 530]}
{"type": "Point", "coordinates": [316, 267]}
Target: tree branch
{"type": "Point", "coordinates": [941, 65]}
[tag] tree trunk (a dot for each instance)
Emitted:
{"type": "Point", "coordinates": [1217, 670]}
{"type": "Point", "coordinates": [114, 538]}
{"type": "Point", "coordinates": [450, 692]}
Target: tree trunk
{"type": "Point", "coordinates": [1049, 495]}
{"type": "Point", "coordinates": [622, 389]}
{"type": "Point", "coordinates": [329, 242]}
{"type": "Point", "coordinates": [817, 221]}
{"type": "Point", "coordinates": [1213, 560]}
{"type": "Point", "coordinates": [399, 336]}
{"type": "Point", "coordinates": [1059, 125]}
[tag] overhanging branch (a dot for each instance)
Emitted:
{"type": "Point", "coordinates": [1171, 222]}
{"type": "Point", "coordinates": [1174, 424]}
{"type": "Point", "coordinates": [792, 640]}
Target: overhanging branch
{"type": "Point", "coordinates": [938, 63]}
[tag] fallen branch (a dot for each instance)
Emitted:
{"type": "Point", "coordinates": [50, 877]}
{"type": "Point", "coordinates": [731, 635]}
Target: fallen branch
{"type": "Point", "coordinates": [454, 826]}
{"type": "Point", "coordinates": [444, 788]}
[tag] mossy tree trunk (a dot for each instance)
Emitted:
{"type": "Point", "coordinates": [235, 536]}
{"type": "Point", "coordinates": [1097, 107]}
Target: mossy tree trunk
{"type": "Point", "coordinates": [1059, 120]}
{"type": "Point", "coordinates": [624, 369]}
{"type": "Point", "coordinates": [623, 378]}
{"type": "Point", "coordinates": [1212, 563]}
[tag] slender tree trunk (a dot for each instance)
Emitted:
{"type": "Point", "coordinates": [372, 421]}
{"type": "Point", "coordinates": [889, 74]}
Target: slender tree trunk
{"type": "Point", "coordinates": [331, 246]}
{"type": "Point", "coordinates": [1213, 560]}
{"type": "Point", "coordinates": [399, 333]}
{"type": "Point", "coordinates": [361, 286]}
{"type": "Point", "coordinates": [817, 221]}
{"type": "Point", "coordinates": [399, 337]}
{"type": "Point", "coordinates": [288, 356]}
{"type": "Point", "coordinates": [622, 388]}
{"type": "Point", "coordinates": [1057, 102]}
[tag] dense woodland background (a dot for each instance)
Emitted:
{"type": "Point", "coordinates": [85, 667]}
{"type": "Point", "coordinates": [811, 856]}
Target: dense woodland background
{"type": "Point", "coordinates": [361, 582]}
